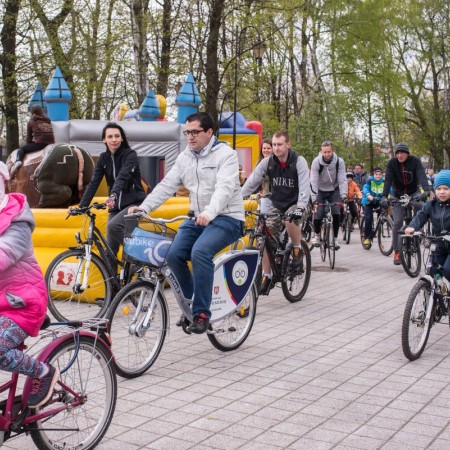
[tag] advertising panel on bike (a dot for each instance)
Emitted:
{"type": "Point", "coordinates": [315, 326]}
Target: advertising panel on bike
{"type": "Point", "coordinates": [62, 278]}
{"type": "Point", "coordinates": [233, 277]}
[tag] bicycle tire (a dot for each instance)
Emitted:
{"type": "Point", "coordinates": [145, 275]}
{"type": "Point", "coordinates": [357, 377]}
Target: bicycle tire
{"type": "Point", "coordinates": [292, 278]}
{"type": "Point", "coordinates": [415, 327]}
{"type": "Point", "coordinates": [63, 302]}
{"type": "Point", "coordinates": [384, 232]}
{"type": "Point", "coordinates": [231, 332]}
{"type": "Point", "coordinates": [307, 229]}
{"type": "Point", "coordinates": [331, 246]}
{"type": "Point", "coordinates": [259, 275]}
{"type": "Point", "coordinates": [323, 242]}
{"type": "Point", "coordinates": [93, 375]}
{"type": "Point", "coordinates": [133, 354]}
{"type": "Point", "coordinates": [410, 256]}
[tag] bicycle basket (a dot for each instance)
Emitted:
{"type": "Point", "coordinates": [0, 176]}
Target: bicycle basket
{"type": "Point", "coordinates": [149, 243]}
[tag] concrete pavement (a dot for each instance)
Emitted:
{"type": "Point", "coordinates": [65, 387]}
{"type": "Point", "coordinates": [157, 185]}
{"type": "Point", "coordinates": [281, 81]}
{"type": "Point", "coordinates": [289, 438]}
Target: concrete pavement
{"type": "Point", "coordinates": [325, 373]}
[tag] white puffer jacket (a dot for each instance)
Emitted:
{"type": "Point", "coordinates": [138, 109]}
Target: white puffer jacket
{"type": "Point", "coordinates": [212, 179]}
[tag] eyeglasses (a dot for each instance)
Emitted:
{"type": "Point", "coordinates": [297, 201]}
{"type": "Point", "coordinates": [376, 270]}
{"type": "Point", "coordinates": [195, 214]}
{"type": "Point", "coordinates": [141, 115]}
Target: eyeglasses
{"type": "Point", "coordinates": [327, 144]}
{"type": "Point", "coordinates": [193, 133]}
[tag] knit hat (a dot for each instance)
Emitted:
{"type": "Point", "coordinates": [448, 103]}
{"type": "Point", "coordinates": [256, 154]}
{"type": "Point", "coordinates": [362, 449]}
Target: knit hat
{"type": "Point", "coordinates": [402, 147]}
{"type": "Point", "coordinates": [350, 175]}
{"type": "Point", "coordinates": [4, 176]}
{"type": "Point", "coordinates": [377, 169]}
{"type": "Point", "coordinates": [442, 179]}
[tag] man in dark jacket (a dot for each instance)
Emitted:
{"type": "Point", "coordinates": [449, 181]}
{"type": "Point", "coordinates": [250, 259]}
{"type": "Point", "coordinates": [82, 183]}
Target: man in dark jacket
{"type": "Point", "coordinates": [406, 175]}
{"type": "Point", "coordinates": [361, 177]}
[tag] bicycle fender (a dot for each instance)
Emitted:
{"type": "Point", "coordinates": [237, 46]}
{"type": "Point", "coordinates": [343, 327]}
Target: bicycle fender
{"type": "Point", "coordinates": [45, 352]}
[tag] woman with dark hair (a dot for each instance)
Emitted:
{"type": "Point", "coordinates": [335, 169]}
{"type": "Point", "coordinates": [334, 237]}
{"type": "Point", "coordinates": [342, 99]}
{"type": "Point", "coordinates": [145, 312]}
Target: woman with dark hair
{"type": "Point", "coordinates": [39, 135]}
{"type": "Point", "coordinates": [119, 165]}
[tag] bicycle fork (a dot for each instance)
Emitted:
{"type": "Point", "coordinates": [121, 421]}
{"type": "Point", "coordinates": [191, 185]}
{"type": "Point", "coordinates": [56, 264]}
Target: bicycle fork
{"type": "Point", "coordinates": [79, 285]}
{"type": "Point", "coordinates": [140, 327]}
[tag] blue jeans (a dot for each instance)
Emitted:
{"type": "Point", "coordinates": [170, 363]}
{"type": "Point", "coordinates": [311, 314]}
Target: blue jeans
{"type": "Point", "coordinates": [199, 245]}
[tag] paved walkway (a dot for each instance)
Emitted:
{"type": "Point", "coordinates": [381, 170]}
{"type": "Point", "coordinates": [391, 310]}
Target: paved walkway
{"type": "Point", "coordinates": [326, 373]}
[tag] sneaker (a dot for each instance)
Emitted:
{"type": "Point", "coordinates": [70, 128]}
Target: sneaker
{"type": "Point", "coordinates": [315, 240]}
{"type": "Point", "coordinates": [397, 261]}
{"type": "Point", "coordinates": [266, 286]}
{"type": "Point", "coordinates": [42, 388]}
{"type": "Point", "coordinates": [336, 244]}
{"type": "Point", "coordinates": [200, 324]}
{"type": "Point", "coordinates": [366, 241]}
{"type": "Point", "coordinates": [14, 168]}
{"type": "Point", "coordinates": [296, 258]}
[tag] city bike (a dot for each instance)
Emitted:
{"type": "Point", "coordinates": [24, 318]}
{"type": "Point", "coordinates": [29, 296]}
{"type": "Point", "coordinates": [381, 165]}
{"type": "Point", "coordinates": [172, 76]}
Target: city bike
{"type": "Point", "coordinates": [294, 280]}
{"type": "Point", "coordinates": [381, 231]}
{"type": "Point", "coordinates": [83, 401]}
{"type": "Point", "coordinates": [427, 304]}
{"type": "Point", "coordinates": [327, 240]}
{"type": "Point", "coordinates": [409, 246]}
{"type": "Point", "coordinates": [82, 281]}
{"type": "Point", "coordinates": [347, 224]}
{"type": "Point", "coordinates": [139, 314]}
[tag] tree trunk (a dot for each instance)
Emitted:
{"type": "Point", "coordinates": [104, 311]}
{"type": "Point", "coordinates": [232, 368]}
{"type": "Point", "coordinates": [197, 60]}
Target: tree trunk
{"type": "Point", "coordinates": [8, 60]}
{"type": "Point", "coordinates": [139, 10]}
{"type": "Point", "coordinates": [212, 72]}
{"type": "Point", "coordinates": [164, 67]}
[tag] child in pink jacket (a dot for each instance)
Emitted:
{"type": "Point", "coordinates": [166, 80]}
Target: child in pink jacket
{"type": "Point", "coordinates": [23, 295]}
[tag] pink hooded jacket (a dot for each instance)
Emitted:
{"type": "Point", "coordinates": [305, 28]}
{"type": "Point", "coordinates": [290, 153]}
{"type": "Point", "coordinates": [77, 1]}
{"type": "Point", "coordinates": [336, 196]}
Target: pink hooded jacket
{"type": "Point", "coordinates": [23, 295]}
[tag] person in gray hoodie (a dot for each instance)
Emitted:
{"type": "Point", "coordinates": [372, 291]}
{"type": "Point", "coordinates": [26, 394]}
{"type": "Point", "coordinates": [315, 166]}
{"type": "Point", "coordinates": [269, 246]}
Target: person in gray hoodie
{"type": "Point", "coordinates": [328, 185]}
{"type": "Point", "coordinates": [209, 170]}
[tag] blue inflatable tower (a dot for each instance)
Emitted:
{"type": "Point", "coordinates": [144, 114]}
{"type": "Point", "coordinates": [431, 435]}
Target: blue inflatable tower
{"type": "Point", "coordinates": [38, 98]}
{"type": "Point", "coordinates": [188, 99]}
{"type": "Point", "coordinates": [58, 97]}
{"type": "Point", "coordinates": [149, 110]}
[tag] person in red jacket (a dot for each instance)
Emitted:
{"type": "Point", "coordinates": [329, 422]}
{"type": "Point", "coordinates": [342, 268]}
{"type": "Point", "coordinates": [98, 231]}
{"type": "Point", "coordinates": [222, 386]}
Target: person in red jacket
{"type": "Point", "coordinates": [39, 135]}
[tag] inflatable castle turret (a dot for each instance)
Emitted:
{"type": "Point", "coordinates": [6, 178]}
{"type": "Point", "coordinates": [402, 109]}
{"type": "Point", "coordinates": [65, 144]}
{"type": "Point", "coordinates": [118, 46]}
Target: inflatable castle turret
{"type": "Point", "coordinates": [149, 110]}
{"type": "Point", "coordinates": [38, 98]}
{"type": "Point", "coordinates": [58, 97]}
{"type": "Point", "coordinates": [188, 99]}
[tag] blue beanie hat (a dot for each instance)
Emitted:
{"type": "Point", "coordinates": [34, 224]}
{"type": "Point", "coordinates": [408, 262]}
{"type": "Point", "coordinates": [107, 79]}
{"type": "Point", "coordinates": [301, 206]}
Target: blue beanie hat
{"type": "Point", "coordinates": [442, 179]}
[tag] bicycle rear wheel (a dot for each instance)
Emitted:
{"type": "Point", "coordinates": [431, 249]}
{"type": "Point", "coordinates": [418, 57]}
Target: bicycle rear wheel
{"type": "Point", "coordinates": [385, 242]}
{"type": "Point", "coordinates": [416, 327]}
{"type": "Point", "coordinates": [231, 332]}
{"type": "Point", "coordinates": [296, 281]}
{"type": "Point", "coordinates": [66, 300]}
{"type": "Point", "coordinates": [330, 246]}
{"type": "Point", "coordinates": [135, 351]}
{"type": "Point", "coordinates": [410, 255]}
{"type": "Point", "coordinates": [91, 377]}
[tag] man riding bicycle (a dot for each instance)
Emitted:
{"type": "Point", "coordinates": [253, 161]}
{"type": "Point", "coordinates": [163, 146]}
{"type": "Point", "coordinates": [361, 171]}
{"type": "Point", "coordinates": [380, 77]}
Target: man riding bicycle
{"type": "Point", "coordinates": [290, 192]}
{"type": "Point", "coordinates": [404, 173]}
{"type": "Point", "coordinates": [209, 169]}
{"type": "Point", "coordinates": [328, 185]}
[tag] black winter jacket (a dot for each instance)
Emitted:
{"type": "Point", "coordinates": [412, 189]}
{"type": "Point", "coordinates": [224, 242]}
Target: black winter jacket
{"type": "Point", "coordinates": [123, 178]}
{"type": "Point", "coordinates": [404, 178]}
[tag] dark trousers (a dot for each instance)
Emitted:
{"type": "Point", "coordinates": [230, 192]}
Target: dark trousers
{"type": "Point", "coordinates": [28, 148]}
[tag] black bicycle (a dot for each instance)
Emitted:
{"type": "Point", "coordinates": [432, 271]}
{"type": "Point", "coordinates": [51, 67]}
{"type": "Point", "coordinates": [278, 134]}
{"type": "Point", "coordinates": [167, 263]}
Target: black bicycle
{"type": "Point", "coordinates": [327, 240]}
{"type": "Point", "coordinates": [427, 304]}
{"type": "Point", "coordinates": [294, 280]}
{"type": "Point", "coordinates": [409, 246]}
{"type": "Point", "coordinates": [381, 231]}
{"type": "Point", "coordinates": [82, 281]}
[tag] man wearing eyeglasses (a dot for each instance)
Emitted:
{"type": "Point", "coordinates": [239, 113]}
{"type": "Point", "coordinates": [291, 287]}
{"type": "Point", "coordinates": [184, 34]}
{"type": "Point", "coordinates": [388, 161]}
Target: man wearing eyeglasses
{"type": "Point", "coordinates": [209, 169]}
{"type": "Point", "coordinates": [289, 187]}
{"type": "Point", "coordinates": [328, 185]}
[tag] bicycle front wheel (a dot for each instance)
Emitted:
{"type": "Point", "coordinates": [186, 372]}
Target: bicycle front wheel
{"type": "Point", "coordinates": [67, 300]}
{"type": "Point", "coordinates": [385, 242]}
{"type": "Point", "coordinates": [136, 349]}
{"type": "Point", "coordinates": [410, 256]}
{"type": "Point", "coordinates": [88, 389]}
{"type": "Point", "coordinates": [416, 327]}
{"type": "Point", "coordinates": [348, 232]}
{"type": "Point", "coordinates": [330, 246]}
{"type": "Point", "coordinates": [231, 332]}
{"type": "Point", "coordinates": [323, 242]}
{"type": "Point", "coordinates": [296, 281]}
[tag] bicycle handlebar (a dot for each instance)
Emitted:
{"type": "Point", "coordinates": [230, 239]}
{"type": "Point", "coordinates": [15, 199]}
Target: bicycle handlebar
{"type": "Point", "coordinates": [142, 214]}
{"type": "Point", "coordinates": [84, 210]}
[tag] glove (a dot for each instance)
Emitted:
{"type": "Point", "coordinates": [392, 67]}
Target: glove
{"type": "Point", "coordinates": [384, 203]}
{"type": "Point", "coordinates": [111, 201]}
{"type": "Point", "coordinates": [298, 213]}
{"type": "Point", "coordinates": [423, 197]}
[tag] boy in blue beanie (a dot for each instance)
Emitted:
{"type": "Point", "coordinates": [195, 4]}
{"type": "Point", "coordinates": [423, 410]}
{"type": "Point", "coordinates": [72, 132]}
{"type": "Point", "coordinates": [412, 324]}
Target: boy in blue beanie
{"type": "Point", "coordinates": [438, 211]}
{"type": "Point", "coordinates": [372, 193]}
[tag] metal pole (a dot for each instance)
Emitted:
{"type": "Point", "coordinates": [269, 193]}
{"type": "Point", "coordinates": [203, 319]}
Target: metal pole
{"type": "Point", "coordinates": [235, 85]}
